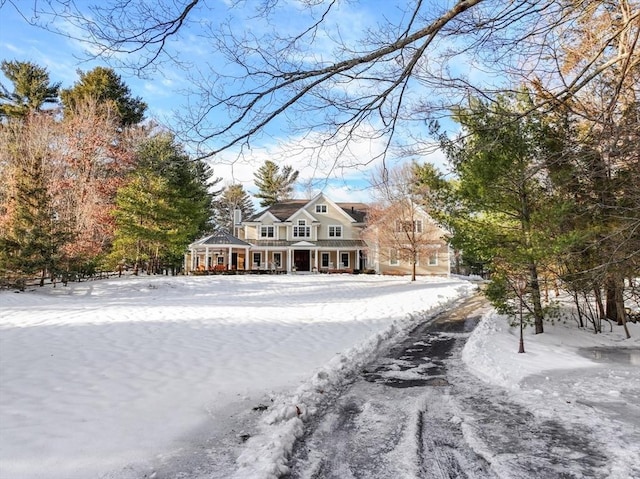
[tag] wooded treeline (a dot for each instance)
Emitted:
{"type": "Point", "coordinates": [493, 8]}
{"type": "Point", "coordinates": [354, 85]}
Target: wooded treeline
{"type": "Point", "coordinates": [87, 185]}
{"type": "Point", "coordinates": [546, 201]}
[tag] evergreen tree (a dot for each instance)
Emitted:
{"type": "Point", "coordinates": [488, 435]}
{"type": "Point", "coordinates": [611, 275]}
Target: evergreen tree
{"type": "Point", "coordinates": [31, 235]}
{"type": "Point", "coordinates": [233, 198]}
{"type": "Point", "coordinates": [31, 89]}
{"type": "Point", "coordinates": [274, 185]}
{"type": "Point", "coordinates": [164, 207]}
{"type": "Point", "coordinates": [498, 209]}
{"type": "Point", "coordinates": [106, 87]}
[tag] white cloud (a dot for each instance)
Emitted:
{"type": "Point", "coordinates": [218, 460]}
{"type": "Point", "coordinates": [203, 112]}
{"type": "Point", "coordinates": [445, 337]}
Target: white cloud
{"type": "Point", "coordinates": [342, 172]}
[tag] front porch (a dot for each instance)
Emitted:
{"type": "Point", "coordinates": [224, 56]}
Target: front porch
{"type": "Point", "coordinates": [216, 253]}
{"type": "Point", "coordinates": [344, 256]}
{"type": "Point", "coordinates": [223, 253]}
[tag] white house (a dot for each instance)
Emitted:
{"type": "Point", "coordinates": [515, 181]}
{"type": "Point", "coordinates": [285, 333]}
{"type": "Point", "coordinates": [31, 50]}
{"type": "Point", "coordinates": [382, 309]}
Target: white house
{"type": "Point", "coordinates": [317, 235]}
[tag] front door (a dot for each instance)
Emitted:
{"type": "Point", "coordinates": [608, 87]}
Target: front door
{"type": "Point", "coordinates": [301, 260]}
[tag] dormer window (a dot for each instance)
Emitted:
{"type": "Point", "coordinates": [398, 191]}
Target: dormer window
{"type": "Point", "coordinates": [267, 232]}
{"type": "Point", "coordinates": [321, 208]}
{"type": "Point", "coordinates": [301, 230]}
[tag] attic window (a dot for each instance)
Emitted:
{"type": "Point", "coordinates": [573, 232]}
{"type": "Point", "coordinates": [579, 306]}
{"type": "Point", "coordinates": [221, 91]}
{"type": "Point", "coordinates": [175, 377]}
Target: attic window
{"type": "Point", "coordinates": [321, 208]}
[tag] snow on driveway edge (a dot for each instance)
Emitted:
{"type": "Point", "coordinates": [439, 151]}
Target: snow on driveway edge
{"type": "Point", "coordinates": [266, 454]}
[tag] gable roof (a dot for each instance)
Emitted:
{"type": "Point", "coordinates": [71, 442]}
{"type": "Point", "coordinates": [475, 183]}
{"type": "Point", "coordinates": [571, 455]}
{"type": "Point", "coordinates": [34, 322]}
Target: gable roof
{"type": "Point", "coordinates": [220, 237]}
{"type": "Point", "coordinates": [286, 209]}
{"type": "Point", "coordinates": [282, 210]}
{"type": "Point", "coordinates": [358, 211]}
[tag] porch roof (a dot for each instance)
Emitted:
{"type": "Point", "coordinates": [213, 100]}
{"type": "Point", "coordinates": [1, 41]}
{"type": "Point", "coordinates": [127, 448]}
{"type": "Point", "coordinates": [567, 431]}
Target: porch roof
{"type": "Point", "coordinates": [220, 238]}
{"type": "Point", "coordinates": [333, 243]}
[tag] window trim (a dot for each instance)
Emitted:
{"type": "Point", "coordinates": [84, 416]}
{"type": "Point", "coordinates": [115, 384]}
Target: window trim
{"type": "Point", "coordinates": [264, 231]}
{"type": "Point", "coordinates": [392, 261]}
{"type": "Point", "coordinates": [336, 229]}
{"type": "Point", "coordinates": [256, 254]}
{"type": "Point", "coordinates": [323, 255]}
{"type": "Point", "coordinates": [302, 225]}
{"type": "Point", "coordinates": [342, 256]}
{"type": "Point", "coordinates": [322, 208]}
{"type": "Point", "coordinates": [417, 226]}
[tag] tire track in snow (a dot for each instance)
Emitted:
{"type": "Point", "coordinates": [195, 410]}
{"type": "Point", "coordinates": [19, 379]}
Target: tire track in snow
{"type": "Point", "coordinates": [388, 425]}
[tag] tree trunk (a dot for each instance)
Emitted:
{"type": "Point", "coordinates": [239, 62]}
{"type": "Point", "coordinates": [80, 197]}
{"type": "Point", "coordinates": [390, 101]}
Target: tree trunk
{"type": "Point", "coordinates": [619, 300]}
{"type": "Point", "coordinates": [612, 306]}
{"type": "Point", "coordinates": [535, 298]}
{"type": "Point", "coordinates": [601, 313]}
{"type": "Point", "coordinates": [598, 295]}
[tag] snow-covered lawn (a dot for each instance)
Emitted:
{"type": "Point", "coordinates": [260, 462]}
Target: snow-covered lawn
{"type": "Point", "coordinates": [571, 375]}
{"type": "Point", "coordinates": [153, 376]}
{"type": "Point", "coordinates": [108, 378]}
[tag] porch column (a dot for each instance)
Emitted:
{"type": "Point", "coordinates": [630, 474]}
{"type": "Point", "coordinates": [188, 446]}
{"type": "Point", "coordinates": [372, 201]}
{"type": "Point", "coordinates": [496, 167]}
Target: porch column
{"type": "Point", "coordinates": [185, 263]}
{"type": "Point", "coordinates": [289, 260]}
{"type": "Point", "coordinates": [194, 256]}
{"type": "Point", "coordinates": [338, 262]}
{"type": "Point", "coordinates": [229, 257]}
{"type": "Point", "coordinates": [246, 259]}
{"type": "Point", "coordinates": [357, 260]}
{"type": "Point", "coordinates": [315, 260]}
{"type": "Point", "coordinates": [206, 258]}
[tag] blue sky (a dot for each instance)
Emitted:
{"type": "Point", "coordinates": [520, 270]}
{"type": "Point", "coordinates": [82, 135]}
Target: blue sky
{"type": "Point", "coordinates": [163, 92]}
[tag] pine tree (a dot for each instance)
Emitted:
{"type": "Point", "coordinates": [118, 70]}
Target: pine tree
{"type": "Point", "coordinates": [31, 89]}
{"type": "Point", "coordinates": [32, 235]}
{"type": "Point", "coordinates": [274, 185]}
{"type": "Point", "coordinates": [165, 205]}
{"type": "Point", "coordinates": [499, 207]}
{"type": "Point", "coordinates": [105, 86]}
{"type": "Point", "coordinates": [233, 198]}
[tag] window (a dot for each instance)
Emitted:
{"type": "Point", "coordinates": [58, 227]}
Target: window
{"type": "Point", "coordinates": [277, 260]}
{"type": "Point", "coordinates": [257, 259]}
{"type": "Point", "coordinates": [321, 208]}
{"type": "Point", "coordinates": [335, 231]}
{"type": "Point", "coordinates": [408, 226]}
{"type": "Point", "coordinates": [394, 257]}
{"type": "Point", "coordinates": [433, 259]}
{"type": "Point", "coordinates": [301, 230]}
{"type": "Point", "coordinates": [325, 260]}
{"type": "Point", "coordinates": [220, 260]}
{"type": "Point", "coordinates": [344, 260]}
{"type": "Point", "coordinates": [267, 232]}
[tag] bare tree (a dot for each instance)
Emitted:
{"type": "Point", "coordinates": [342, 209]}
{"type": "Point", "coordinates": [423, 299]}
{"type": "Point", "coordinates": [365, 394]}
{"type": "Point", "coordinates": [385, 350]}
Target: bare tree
{"type": "Point", "coordinates": [405, 68]}
{"type": "Point", "coordinates": [399, 225]}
